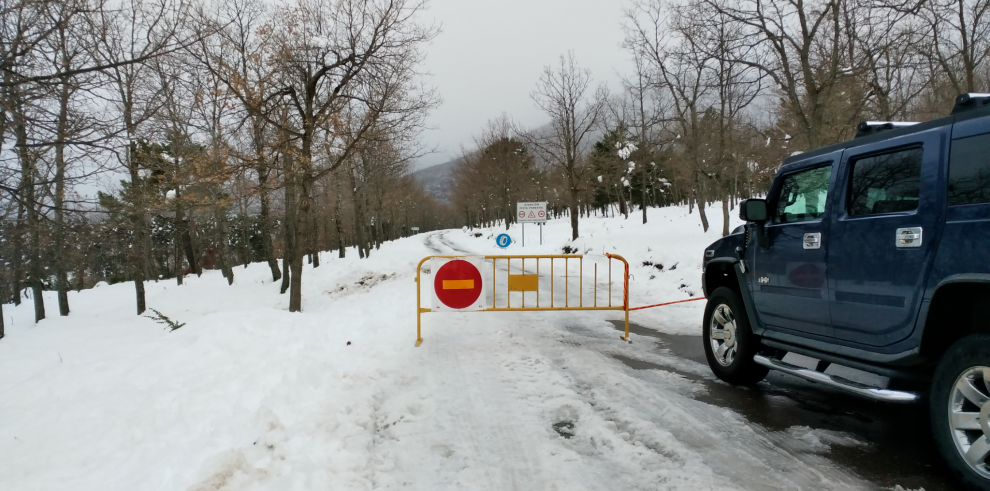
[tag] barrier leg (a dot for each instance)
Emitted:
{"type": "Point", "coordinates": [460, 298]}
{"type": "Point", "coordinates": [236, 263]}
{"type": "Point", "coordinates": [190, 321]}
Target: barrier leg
{"type": "Point", "coordinates": [626, 337]}
{"type": "Point", "coordinates": [419, 312]}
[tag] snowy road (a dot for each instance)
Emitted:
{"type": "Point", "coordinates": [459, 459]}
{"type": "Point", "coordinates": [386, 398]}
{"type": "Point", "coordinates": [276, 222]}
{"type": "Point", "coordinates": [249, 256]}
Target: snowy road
{"type": "Point", "coordinates": [630, 427]}
{"type": "Point", "coordinates": [249, 396]}
{"type": "Point", "coordinates": [786, 434]}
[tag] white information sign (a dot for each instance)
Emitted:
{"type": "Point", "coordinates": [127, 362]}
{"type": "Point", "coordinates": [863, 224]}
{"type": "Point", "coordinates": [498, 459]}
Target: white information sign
{"type": "Point", "coordinates": [532, 212]}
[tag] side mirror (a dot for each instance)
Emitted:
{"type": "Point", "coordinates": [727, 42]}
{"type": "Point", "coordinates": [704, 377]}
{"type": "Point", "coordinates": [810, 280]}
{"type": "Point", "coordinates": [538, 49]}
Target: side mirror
{"type": "Point", "coordinates": [753, 210]}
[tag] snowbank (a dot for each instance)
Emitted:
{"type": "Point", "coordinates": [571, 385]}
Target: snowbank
{"type": "Point", "coordinates": [249, 396]}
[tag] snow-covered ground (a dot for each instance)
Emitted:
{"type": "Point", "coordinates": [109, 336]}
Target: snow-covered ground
{"type": "Point", "coordinates": [249, 396]}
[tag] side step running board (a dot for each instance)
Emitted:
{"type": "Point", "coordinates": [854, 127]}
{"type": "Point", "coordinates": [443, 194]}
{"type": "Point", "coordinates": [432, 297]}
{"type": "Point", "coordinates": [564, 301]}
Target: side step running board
{"type": "Point", "coordinates": [837, 382]}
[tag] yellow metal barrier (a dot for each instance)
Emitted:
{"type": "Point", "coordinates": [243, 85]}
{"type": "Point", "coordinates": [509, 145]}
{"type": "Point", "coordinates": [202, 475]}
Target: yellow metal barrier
{"type": "Point", "coordinates": [526, 282]}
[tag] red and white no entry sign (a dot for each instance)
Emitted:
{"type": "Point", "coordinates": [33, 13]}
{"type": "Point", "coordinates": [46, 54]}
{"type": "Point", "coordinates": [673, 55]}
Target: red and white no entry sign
{"type": "Point", "coordinates": [458, 285]}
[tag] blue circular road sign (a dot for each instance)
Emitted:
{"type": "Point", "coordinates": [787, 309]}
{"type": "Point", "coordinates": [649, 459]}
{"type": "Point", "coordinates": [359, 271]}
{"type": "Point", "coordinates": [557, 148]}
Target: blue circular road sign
{"type": "Point", "coordinates": [503, 240]}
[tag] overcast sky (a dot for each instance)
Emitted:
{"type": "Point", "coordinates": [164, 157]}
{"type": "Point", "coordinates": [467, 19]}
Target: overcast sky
{"type": "Point", "coordinates": [489, 55]}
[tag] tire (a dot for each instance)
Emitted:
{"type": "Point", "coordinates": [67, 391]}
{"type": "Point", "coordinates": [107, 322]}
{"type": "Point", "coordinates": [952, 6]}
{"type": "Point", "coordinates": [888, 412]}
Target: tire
{"type": "Point", "coordinates": [730, 354]}
{"type": "Point", "coordinates": [961, 380]}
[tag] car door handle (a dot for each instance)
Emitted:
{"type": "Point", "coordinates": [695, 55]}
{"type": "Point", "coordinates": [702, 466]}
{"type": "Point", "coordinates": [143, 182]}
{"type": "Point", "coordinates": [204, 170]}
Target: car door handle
{"type": "Point", "coordinates": [813, 241]}
{"type": "Point", "coordinates": [908, 237]}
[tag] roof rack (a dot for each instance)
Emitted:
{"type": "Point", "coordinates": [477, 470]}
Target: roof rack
{"type": "Point", "coordinates": [867, 128]}
{"type": "Point", "coordinates": [972, 100]}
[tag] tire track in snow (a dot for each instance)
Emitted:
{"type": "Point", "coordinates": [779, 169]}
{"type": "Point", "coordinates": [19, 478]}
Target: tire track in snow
{"type": "Point", "coordinates": [435, 241]}
{"type": "Point", "coordinates": [474, 424]}
{"type": "Point", "coordinates": [651, 403]}
{"type": "Point", "coordinates": [744, 453]}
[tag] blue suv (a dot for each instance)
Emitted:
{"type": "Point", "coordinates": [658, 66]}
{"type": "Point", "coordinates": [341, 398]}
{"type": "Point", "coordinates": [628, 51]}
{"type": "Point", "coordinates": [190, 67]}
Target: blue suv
{"type": "Point", "coordinates": [872, 254]}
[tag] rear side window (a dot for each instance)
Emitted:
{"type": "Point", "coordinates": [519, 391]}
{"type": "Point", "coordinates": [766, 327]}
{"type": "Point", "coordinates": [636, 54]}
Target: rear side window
{"type": "Point", "coordinates": [885, 183]}
{"type": "Point", "coordinates": [803, 195]}
{"type": "Point", "coordinates": [969, 170]}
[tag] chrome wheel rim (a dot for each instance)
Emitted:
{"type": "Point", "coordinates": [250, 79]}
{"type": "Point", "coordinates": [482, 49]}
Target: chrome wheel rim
{"type": "Point", "coordinates": [969, 418]}
{"type": "Point", "coordinates": [722, 335]}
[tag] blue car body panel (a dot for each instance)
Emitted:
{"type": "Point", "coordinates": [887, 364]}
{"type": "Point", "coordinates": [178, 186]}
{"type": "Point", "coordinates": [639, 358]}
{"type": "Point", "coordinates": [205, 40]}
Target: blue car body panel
{"type": "Point", "coordinates": [790, 290]}
{"type": "Point", "coordinates": [860, 295]}
{"type": "Point", "coordinates": [876, 287]}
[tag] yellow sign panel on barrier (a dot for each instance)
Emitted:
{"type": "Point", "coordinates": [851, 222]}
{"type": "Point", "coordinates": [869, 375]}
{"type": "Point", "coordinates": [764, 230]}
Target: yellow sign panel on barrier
{"type": "Point", "coordinates": [524, 282]}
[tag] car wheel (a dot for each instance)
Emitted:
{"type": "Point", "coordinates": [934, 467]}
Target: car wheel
{"type": "Point", "coordinates": [960, 410]}
{"type": "Point", "coordinates": [729, 342]}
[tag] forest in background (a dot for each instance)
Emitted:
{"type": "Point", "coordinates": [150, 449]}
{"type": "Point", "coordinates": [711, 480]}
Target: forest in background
{"type": "Point", "coordinates": [243, 131]}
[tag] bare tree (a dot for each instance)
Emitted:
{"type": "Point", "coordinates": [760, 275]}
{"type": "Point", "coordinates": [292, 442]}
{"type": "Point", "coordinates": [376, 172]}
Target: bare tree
{"type": "Point", "coordinates": [802, 51]}
{"type": "Point", "coordinates": [498, 172]}
{"type": "Point", "coordinates": [645, 112]}
{"type": "Point", "coordinates": [564, 92]}
{"type": "Point", "coordinates": [243, 61]}
{"type": "Point", "coordinates": [958, 40]}
{"type": "Point", "coordinates": [334, 57]}
{"type": "Point", "coordinates": [22, 30]}
{"type": "Point", "coordinates": [682, 70]}
{"type": "Point", "coordinates": [138, 30]}
{"type": "Point", "coordinates": [69, 49]}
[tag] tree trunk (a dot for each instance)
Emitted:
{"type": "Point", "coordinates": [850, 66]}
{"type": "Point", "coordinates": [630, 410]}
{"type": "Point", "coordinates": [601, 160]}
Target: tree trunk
{"type": "Point", "coordinates": [61, 277]}
{"type": "Point", "coordinates": [225, 269]}
{"type": "Point", "coordinates": [28, 189]}
{"type": "Point", "coordinates": [139, 293]}
{"type": "Point", "coordinates": [289, 225]}
{"type": "Point", "coordinates": [338, 224]}
{"type": "Point", "coordinates": [138, 240]}
{"type": "Point", "coordinates": [574, 213]}
{"type": "Point", "coordinates": [315, 243]}
{"type": "Point", "coordinates": [725, 214]}
{"type": "Point", "coordinates": [17, 271]}
{"type": "Point", "coordinates": [187, 247]}
{"type": "Point", "coordinates": [244, 224]}
{"type": "Point", "coordinates": [264, 218]}
{"type": "Point", "coordinates": [177, 253]}
{"type": "Point", "coordinates": [358, 217]}
{"type": "Point", "coordinates": [375, 236]}
{"type": "Point", "coordinates": [642, 191]}
{"type": "Point", "coordinates": [181, 235]}
{"type": "Point", "coordinates": [289, 234]}
{"type": "Point", "coordinates": [701, 203]}
{"type": "Point", "coordinates": [223, 248]}
{"type": "Point", "coordinates": [301, 230]}
{"type": "Point", "coordinates": [285, 274]}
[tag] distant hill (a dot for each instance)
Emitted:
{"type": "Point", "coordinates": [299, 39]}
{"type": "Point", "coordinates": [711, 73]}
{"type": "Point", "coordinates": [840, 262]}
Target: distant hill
{"type": "Point", "coordinates": [438, 180]}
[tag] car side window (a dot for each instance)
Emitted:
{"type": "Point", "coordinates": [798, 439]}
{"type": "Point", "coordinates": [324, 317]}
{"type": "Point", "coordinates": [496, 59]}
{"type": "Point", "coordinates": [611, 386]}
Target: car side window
{"type": "Point", "coordinates": [969, 170]}
{"type": "Point", "coordinates": [885, 183]}
{"type": "Point", "coordinates": [803, 195]}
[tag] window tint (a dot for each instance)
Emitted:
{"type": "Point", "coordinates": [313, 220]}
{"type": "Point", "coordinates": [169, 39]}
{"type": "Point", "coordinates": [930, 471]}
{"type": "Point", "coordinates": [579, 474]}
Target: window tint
{"type": "Point", "coordinates": [969, 170]}
{"type": "Point", "coordinates": [803, 196]}
{"type": "Point", "coordinates": [886, 183]}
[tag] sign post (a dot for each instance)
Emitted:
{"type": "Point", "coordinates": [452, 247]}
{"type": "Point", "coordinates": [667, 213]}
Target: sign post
{"type": "Point", "coordinates": [531, 212]}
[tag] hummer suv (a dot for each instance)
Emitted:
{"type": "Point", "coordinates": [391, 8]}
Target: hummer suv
{"type": "Point", "coordinates": [872, 254]}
